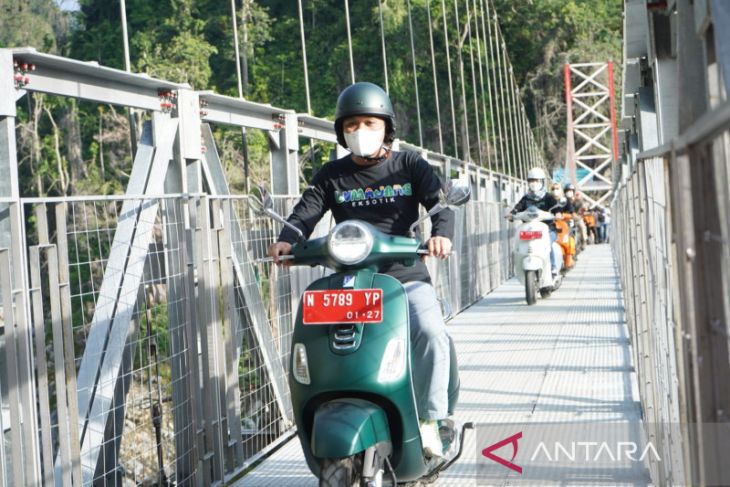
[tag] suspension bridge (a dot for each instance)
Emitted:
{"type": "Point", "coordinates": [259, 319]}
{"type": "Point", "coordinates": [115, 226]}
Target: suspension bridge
{"type": "Point", "coordinates": [146, 338]}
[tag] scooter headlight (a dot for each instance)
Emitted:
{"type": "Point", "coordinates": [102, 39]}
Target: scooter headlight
{"type": "Point", "coordinates": [350, 242]}
{"type": "Point", "coordinates": [393, 364]}
{"type": "Point", "coordinates": [300, 367]}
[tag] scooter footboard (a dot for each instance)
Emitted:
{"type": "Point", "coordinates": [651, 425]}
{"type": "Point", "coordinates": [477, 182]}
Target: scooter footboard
{"type": "Point", "coordinates": [344, 427]}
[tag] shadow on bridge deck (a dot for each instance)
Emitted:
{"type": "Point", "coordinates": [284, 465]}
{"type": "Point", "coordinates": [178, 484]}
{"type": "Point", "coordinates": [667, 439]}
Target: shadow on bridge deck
{"type": "Point", "coordinates": [565, 360]}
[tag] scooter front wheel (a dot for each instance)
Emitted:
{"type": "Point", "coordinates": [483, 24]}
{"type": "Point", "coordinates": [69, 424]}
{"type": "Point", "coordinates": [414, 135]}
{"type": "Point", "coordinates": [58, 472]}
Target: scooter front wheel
{"type": "Point", "coordinates": [531, 287]}
{"type": "Point", "coordinates": [341, 472]}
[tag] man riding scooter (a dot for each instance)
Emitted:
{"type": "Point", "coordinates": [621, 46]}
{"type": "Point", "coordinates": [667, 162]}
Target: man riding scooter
{"type": "Point", "coordinates": [384, 188]}
{"type": "Point", "coordinates": [538, 196]}
{"type": "Point", "coordinates": [563, 223]}
{"type": "Point", "coordinates": [577, 201]}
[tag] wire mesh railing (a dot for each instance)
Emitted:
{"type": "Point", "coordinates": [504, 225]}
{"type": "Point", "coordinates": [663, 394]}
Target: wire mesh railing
{"type": "Point", "coordinates": [670, 231]}
{"type": "Point", "coordinates": [161, 333]}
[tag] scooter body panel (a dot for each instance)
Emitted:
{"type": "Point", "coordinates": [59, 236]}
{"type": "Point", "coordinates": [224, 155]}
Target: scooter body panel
{"type": "Point", "coordinates": [533, 254]}
{"type": "Point", "coordinates": [338, 374]}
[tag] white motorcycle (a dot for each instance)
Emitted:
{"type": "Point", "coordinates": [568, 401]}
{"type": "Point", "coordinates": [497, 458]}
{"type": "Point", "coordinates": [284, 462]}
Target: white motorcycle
{"type": "Point", "coordinates": [532, 254]}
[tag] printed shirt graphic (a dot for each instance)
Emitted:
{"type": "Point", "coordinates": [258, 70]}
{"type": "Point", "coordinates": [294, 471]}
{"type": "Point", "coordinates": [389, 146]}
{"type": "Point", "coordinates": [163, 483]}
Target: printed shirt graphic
{"type": "Point", "coordinates": [368, 196]}
{"type": "Point", "coordinates": [386, 195]}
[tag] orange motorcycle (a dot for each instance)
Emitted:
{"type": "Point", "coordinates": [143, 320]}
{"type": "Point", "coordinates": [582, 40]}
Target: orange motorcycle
{"type": "Point", "coordinates": [566, 240]}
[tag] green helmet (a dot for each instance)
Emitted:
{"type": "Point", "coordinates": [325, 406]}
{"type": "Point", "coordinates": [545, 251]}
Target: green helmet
{"type": "Point", "coordinates": [364, 99]}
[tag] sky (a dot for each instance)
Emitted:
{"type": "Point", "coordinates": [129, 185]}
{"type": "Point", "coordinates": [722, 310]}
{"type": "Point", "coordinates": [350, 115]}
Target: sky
{"type": "Point", "coordinates": [68, 4]}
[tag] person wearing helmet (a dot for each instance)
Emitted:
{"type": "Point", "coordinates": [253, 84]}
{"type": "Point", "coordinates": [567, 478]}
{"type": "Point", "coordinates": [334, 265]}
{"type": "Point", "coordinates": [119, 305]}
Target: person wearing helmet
{"type": "Point", "coordinates": [577, 201]}
{"type": "Point", "coordinates": [385, 188]}
{"type": "Point", "coordinates": [556, 191]}
{"type": "Point", "coordinates": [538, 196]}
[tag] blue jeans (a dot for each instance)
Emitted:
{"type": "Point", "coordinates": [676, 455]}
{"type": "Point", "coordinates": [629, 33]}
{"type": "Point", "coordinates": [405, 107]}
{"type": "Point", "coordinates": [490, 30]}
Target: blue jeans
{"type": "Point", "coordinates": [553, 256]}
{"type": "Point", "coordinates": [430, 351]}
{"type": "Point", "coordinates": [602, 232]}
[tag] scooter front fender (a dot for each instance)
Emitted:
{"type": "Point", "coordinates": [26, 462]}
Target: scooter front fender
{"type": "Point", "coordinates": [532, 263]}
{"type": "Point", "coordinates": [347, 426]}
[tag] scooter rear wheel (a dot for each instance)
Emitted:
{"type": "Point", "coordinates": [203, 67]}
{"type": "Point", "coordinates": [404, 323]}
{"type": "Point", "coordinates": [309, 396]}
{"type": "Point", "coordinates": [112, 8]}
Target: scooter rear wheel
{"type": "Point", "coordinates": [341, 472]}
{"type": "Point", "coordinates": [531, 287]}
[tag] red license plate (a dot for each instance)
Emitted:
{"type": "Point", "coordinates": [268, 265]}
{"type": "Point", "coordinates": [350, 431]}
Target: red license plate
{"type": "Point", "coordinates": [342, 306]}
{"type": "Point", "coordinates": [530, 235]}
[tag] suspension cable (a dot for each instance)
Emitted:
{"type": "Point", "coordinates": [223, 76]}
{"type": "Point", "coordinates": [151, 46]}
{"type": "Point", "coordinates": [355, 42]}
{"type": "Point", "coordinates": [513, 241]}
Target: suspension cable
{"type": "Point", "coordinates": [473, 84]}
{"type": "Point", "coordinates": [511, 86]}
{"type": "Point", "coordinates": [526, 140]}
{"type": "Point", "coordinates": [520, 130]}
{"type": "Point", "coordinates": [415, 76]}
{"type": "Point", "coordinates": [349, 40]}
{"type": "Point", "coordinates": [520, 134]}
{"type": "Point", "coordinates": [460, 45]}
{"type": "Point", "coordinates": [490, 86]}
{"type": "Point", "coordinates": [435, 80]}
{"type": "Point", "coordinates": [511, 112]}
{"type": "Point", "coordinates": [304, 57]}
{"type": "Point", "coordinates": [502, 98]}
{"type": "Point", "coordinates": [520, 123]}
{"type": "Point", "coordinates": [382, 46]}
{"type": "Point", "coordinates": [494, 65]}
{"type": "Point", "coordinates": [481, 84]}
{"type": "Point", "coordinates": [508, 101]}
{"type": "Point", "coordinates": [451, 85]}
{"type": "Point", "coordinates": [235, 45]}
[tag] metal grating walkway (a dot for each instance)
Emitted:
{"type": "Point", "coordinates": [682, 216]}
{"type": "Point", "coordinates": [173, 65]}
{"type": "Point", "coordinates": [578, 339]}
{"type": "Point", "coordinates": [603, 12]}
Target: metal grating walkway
{"type": "Point", "coordinates": [565, 359]}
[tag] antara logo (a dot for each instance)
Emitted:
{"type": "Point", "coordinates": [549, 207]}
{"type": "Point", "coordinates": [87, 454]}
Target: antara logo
{"type": "Point", "coordinates": [576, 451]}
{"type": "Point", "coordinates": [596, 451]}
{"type": "Point", "coordinates": [487, 452]}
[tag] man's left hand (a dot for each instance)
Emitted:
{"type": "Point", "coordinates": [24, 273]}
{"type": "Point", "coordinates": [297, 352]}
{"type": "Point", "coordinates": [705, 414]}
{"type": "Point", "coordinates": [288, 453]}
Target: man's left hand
{"type": "Point", "coordinates": [439, 247]}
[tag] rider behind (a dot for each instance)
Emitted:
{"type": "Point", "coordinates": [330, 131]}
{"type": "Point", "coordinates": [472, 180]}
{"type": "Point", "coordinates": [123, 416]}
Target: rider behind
{"type": "Point", "coordinates": [384, 188]}
{"type": "Point", "coordinates": [575, 199]}
{"type": "Point", "coordinates": [538, 196]}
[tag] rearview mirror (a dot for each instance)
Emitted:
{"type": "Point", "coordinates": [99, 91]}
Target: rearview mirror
{"type": "Point", "coordinates": [260, 201]}
{"type": "Point", "coordinates": [456, 193]}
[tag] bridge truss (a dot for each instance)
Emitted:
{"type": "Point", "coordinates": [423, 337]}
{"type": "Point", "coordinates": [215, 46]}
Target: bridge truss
{"type": "Point", "coordinates": [592, 145]}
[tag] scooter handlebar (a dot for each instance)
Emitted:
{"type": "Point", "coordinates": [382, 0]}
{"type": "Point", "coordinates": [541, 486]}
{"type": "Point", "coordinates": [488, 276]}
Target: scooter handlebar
{"type": "Point", "coordinates": [281, 257]}
{"type": "Point", "coordinates": [528, 215]}
{"type": "Point", "coordinates": [426, 252]}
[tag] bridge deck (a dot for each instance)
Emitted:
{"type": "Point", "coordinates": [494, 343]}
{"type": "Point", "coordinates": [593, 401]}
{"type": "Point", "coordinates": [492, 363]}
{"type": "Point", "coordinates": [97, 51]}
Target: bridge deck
{"type": "Point", "coordinates": [566, 359]}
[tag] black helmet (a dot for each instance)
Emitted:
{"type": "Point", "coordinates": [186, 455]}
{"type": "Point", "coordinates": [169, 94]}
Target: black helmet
{"type": "Point", "coordinates": [364, 99]}
{"type": "Point", "coordinates": [569, 187]}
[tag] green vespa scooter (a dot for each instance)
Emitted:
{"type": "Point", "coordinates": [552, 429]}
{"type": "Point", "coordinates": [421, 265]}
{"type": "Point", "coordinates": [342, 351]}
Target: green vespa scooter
{"type": "Point", "coordinates": [350, 371]}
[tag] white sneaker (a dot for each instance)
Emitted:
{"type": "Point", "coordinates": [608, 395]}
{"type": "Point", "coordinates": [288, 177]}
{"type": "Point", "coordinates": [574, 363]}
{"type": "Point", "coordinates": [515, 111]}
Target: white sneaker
{"type": "Point", "coordinates": [450, 434]}
{"type": "Point", "coordinates": [431, 439]}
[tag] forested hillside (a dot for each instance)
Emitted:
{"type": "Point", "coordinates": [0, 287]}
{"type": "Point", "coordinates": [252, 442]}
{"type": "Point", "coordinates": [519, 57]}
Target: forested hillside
{"type": "Point", "coordinates": [69, 147]}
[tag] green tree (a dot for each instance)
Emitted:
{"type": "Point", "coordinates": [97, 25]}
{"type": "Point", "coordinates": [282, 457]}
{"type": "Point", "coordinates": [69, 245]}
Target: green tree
{"type": "Point", "coordinates": [543, 35]}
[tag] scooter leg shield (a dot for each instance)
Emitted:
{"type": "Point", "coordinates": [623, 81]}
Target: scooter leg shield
{"type": "Point", "coordinates": [344, 427]}
{"type": "Point", "coordinates": [454, 381]}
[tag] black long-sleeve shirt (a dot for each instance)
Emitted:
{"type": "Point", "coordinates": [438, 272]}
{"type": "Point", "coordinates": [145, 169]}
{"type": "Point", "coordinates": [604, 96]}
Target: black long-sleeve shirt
{"type": "Point", "coordinates": [386, 195]}
{"type": "Point", "coordinates": [546, 203]}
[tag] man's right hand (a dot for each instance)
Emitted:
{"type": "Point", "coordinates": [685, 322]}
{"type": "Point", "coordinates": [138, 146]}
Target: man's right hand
{"type": "Point", "coordinates": [277, 249]}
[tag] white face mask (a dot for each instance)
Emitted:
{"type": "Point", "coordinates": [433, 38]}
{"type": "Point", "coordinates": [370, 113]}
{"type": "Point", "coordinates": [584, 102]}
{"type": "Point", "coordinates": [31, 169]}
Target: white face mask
{"type": "Point", "coordinates": [535, 186]}
{"type": "Point", "coordinates": [568, 194]}
{"type": "Point", "coordinates": [556, 194]}
{"type": "Point", "coordinates": [364, 142]}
